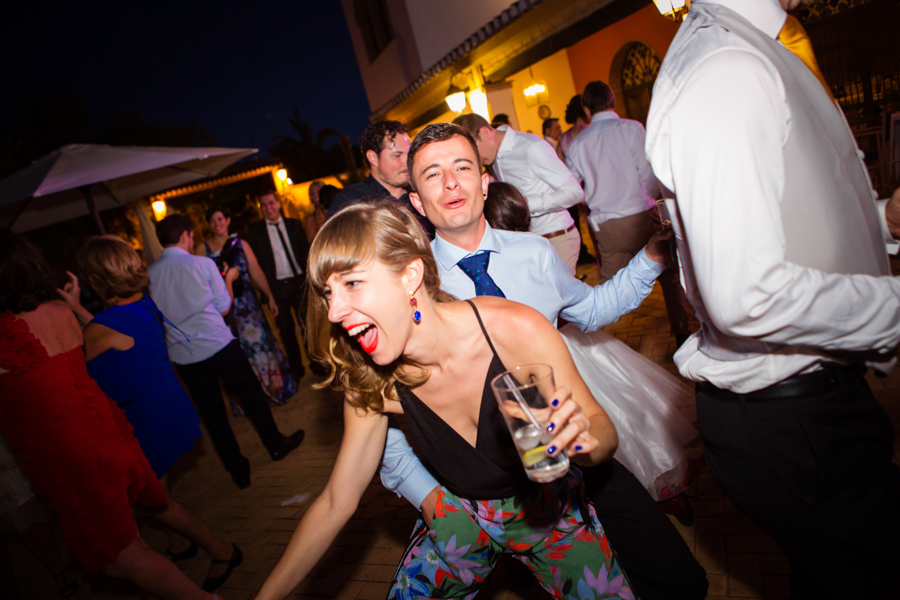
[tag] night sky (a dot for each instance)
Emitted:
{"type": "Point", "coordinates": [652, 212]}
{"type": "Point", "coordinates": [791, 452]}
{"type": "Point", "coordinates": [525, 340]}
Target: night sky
{"type": "Point", "coordinates": [237, 68]}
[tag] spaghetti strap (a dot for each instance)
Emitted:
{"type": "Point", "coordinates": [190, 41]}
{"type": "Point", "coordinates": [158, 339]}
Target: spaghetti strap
{"type": "Point", "coordinates": [483, 330]}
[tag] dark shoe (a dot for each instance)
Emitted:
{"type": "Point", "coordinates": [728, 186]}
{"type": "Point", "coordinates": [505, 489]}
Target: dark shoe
{"type": "Point", "coordinates": [679, 507]}
{"type": "Point", "coordinates": [191, 551]}
{"type": "Point", "coordinates": [213, 583]}
{"type": "Point", "coordinates": [288, 445]}
{"type": "Point", "coordinates": [242, 480]}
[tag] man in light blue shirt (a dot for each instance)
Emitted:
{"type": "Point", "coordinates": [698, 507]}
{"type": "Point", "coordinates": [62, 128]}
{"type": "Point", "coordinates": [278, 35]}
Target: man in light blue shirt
{"type": "Point", "coordinates": [190, 292]}
{"type": "Point", "coordinates": [527, 269]}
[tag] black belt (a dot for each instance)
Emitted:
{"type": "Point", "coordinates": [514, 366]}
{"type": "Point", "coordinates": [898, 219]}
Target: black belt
{"type": "Point", "coordinates": [817, 382]}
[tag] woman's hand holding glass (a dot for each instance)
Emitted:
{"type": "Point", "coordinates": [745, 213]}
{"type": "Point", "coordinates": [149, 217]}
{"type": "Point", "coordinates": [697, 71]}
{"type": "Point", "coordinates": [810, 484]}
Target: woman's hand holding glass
{"type": "Point", "coordinates": [565, 420]}
{"type": "Point", "coordinates": [570, 425]}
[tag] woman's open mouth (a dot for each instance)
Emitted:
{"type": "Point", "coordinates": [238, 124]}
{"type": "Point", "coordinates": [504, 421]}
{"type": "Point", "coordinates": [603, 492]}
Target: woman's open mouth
{"type": "Point", "coordinates": [367, 336]}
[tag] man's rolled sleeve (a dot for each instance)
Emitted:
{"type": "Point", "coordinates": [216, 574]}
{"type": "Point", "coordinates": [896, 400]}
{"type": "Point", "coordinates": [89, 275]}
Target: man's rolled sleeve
{"type": "Point", "coordinates": [402, 472]}
{"type": "Point", "coordinates": [592, 308]}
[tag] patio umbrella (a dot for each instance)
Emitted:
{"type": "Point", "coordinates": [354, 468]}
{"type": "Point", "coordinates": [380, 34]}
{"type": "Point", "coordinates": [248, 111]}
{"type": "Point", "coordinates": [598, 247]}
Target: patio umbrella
{"type": "Point", "coordinates": [84, 179]}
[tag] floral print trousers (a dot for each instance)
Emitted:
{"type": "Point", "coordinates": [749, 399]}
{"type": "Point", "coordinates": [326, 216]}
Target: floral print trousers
{"type": "Point", "coordinates": [551, 529]}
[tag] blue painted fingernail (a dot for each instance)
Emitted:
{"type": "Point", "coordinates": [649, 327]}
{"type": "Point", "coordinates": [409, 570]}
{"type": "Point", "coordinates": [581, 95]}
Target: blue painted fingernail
{"type": "Point", "coordinates": [550, 428]}
{"type": "Point", "coordinates": [555, 403]}
{"type": "Point", "coordinates": [551, 449]}
{"type": "Point", "coordinates": [578, 448]}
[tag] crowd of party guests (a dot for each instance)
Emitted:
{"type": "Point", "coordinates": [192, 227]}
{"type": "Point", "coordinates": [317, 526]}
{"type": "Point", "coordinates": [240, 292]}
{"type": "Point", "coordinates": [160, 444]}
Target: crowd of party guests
{"type": "Point", "coordinates": [453, 262]}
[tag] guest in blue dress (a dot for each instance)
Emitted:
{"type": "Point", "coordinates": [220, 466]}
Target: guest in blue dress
{"type": "Point", "coordinates": [247, 320]}
{"type": "Point", "coordinates": [143, 384]}
{"type": "Point", "coordinates": [126, 354]}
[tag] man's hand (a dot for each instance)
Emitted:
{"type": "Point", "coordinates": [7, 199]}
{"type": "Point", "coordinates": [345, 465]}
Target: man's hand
{"type": "Point", "coordinates": [658, 246]}
{"type": "Point", "coordinates": [892, 214]}
{"type": "Point", "coordinates": [429, 505]}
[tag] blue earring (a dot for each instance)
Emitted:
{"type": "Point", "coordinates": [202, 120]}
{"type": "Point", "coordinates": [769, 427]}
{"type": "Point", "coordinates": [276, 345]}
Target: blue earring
{"type": "Point", "coordinates": [417, 316]}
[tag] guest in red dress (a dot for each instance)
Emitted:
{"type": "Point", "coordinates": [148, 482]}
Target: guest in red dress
{"type": "Point", "coordinates": [73, 441]}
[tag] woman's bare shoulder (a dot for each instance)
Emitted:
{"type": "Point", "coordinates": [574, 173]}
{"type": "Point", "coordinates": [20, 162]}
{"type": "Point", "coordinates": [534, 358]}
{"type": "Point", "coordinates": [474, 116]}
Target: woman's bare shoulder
{"type": "Point", "coordinates": [54, 324]}
{"type": "Point", "coordinates": [505, 314]}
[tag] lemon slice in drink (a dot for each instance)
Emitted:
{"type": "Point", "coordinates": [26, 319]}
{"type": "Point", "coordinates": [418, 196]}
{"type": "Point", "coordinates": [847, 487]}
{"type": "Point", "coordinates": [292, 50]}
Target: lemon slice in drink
{"type": "Point", "coordinates": [534, 456]}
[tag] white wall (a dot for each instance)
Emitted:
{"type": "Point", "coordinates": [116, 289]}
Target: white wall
{"type": "Point", "coordinates": [440, 26]}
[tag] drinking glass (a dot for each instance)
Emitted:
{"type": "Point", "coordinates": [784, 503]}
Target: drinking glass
{"type": "Point", "coordinates": [523, 395]}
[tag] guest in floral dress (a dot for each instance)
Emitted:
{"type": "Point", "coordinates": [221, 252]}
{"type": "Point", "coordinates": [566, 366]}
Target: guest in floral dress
{"type": "Point", "coordinates": [247, 320]}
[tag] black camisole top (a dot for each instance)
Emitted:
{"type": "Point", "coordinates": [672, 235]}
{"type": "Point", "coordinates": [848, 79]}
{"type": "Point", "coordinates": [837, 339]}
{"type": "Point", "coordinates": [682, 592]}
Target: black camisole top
{"type": "Point", "coordinates": [491, 469]}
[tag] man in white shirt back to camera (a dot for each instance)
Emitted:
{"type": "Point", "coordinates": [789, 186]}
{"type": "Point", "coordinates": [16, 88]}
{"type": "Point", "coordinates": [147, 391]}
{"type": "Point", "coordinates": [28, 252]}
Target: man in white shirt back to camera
{"type": "Point", "coordinates": [531, 165]}
{"type": "Point", "coordinates": [190, 292]}
{"type": "Point", "coordinates": [620, 190]}
{"type": "Point", "coordinates": [783, 250]}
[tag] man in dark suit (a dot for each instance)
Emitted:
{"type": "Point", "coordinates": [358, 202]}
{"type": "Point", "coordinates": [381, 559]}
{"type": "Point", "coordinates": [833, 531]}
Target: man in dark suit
{"type": "Point", "coordinates": [281, 249]}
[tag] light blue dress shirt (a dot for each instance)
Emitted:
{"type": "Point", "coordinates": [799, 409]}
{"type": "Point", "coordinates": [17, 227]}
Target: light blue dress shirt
{"type": "Point", "coordinates": [190, 292]}
{"type": "Point", "coordinates": [528, 270]}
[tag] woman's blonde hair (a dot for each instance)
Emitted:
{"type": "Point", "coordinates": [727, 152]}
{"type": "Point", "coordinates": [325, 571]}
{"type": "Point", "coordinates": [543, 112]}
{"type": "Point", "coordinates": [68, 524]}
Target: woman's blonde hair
{"type": "Point", "coordinates": [389, 233]}
{"type": "Point", "coordinates": [112, 267]}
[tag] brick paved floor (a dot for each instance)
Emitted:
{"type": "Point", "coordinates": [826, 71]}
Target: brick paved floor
{"type": "Point", "coordinates": [742, 562]}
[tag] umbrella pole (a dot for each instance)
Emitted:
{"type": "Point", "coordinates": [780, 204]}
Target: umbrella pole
{"type": "Point", "coordinates": [86, 190]}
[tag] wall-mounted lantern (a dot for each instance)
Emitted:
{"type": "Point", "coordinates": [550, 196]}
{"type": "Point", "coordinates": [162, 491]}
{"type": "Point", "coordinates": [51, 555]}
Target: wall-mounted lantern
{"type": "Point", "coordinates": [673, 9]}
{"type": "Point", "coordinates": [456, 99]}
{"type": "Point", "coordinates": [159, 209]}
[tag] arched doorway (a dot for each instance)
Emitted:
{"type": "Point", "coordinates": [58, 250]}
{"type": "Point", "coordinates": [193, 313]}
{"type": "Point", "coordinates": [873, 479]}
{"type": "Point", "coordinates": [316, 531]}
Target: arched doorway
{"type": "Point", "coordinates": [637, 65]}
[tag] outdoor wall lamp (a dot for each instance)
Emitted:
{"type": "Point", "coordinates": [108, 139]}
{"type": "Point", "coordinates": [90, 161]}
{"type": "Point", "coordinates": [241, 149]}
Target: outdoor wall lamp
{"type": "Point", "coordinates": [281, 174]}
{"type": "Point", "coordinates": [159, 209]}
{"type": "Point", "coordinates": [479, 103]}
{"type": "Point", "coordinates": [673, 9]}
{"type": "Point", "coordinates": [534, 92]}
{"type": "Point", "coordinates": [456, 99]}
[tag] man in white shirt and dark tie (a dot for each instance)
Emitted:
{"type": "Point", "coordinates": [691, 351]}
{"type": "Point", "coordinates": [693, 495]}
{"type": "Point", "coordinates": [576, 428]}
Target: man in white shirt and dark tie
{"type": "Point", "coordinates": [281, 248]}
{"type": "Point", "coordinates": [526, 269]}
{"type": "Point", "coordinates": [620, 191]}
{"type": "Point", "coordinates": [782, 246]}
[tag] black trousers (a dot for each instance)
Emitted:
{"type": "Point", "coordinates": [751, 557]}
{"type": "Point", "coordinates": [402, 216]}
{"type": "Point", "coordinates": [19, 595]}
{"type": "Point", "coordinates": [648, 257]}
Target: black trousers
{"type": "Point", "coordinates": [202, 381]}
{"type": "Point", "coordinates": [653, 554]}
{"type": "Point", "coordinates": [815, 472]}
{"type": "Point", "coordinates": [290, 294]}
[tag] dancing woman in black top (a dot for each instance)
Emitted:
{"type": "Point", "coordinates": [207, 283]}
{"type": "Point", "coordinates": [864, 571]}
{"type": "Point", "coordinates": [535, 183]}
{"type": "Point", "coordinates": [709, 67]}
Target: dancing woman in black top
{"type": "Point", "coordinates": [397, 344]}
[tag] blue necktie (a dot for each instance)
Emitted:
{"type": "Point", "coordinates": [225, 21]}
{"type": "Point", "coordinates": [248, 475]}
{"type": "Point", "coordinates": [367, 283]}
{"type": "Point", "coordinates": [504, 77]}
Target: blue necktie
{"type": "Point", "coordinates": [475, 267]}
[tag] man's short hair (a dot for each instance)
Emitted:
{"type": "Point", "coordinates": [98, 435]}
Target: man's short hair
{"type": "Point", "coordinates": [548, 124]}
{"type": "Point", "coordinates": [598, 97]}
{"type": "Point", "coordinates": [169, 230]}
{"type": "Point", "coordinates": [500, 119]}
{"type": "Point", "coordinates": [438, 132]}
{"type": "Point", "coordinates": [472, 123]}
{"type": "Point", "coordinates": [373, 138]}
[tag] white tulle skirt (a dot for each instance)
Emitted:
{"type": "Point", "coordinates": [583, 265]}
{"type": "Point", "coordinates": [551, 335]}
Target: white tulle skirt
{"type": "Point", "coordinates": [643, 401]}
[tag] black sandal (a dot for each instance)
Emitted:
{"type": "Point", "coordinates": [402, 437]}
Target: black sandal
{"type": "Point", "coordinates": [190, 552]}
{"type": "Point", "coordinates": [67, 589]}
{"type": "Point", "coordinates": [213, 583]}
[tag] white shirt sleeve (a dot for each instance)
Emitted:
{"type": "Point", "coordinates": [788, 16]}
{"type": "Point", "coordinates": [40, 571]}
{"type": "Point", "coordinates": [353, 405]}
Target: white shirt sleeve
{"type": "Point", "coordinates": [645, 171]}
{"type": "Point", "coordinates": [402, 472]}
{"type": "Point", "coordinates": [729, 127]}
{"type": "Point", "coordinates": [547, 167]}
